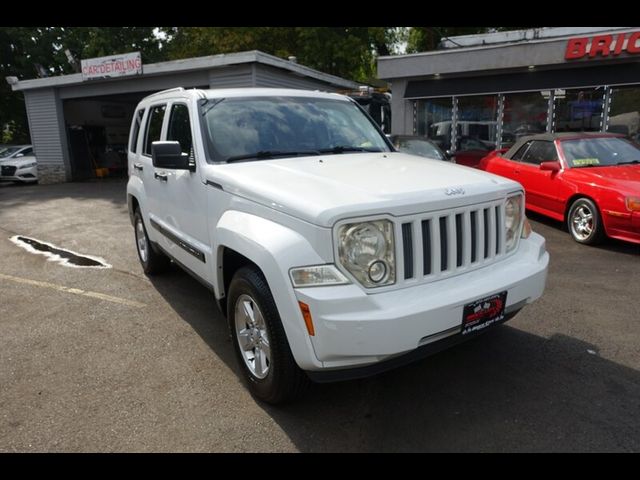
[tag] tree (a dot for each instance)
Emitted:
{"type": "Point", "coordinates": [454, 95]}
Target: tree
{"type": "Point", "coordinates": [349, 52]}
{"type": "Point", "coordinates": [23, 50]}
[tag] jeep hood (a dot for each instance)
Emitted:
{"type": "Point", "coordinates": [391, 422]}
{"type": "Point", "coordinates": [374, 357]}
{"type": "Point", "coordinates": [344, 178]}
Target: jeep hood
{"type": "Point", "coordinates": [324, 189]}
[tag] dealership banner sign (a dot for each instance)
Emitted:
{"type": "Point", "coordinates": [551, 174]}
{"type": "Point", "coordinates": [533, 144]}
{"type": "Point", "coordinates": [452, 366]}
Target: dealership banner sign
{"type": "Point", "coordinates": [112, 66]}
{"type": "Point", "coordinates": [603, 46]}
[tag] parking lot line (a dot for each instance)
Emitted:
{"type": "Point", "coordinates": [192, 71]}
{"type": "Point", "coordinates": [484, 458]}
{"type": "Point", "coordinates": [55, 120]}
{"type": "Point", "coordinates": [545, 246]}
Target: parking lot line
{"type": "Point", "coordinates": [75, 291]}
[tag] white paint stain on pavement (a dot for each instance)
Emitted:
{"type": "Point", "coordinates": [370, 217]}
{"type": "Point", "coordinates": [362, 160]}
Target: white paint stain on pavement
{"type": "Point", "coordinates": [62, 256]}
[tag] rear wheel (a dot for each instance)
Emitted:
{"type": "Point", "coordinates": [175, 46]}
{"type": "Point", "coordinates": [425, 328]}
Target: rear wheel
{"type": "Point", "coordinates": [152, 261]}
{"type": "Point", "coordinates": [259, 340]}
{"type": "Point", "coordinates": [585, 223]}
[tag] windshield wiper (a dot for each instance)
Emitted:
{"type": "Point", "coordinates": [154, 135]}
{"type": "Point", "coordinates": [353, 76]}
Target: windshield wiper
{"type": "Point", "coordinates": [345, 148]}
{"type": "Point", "coordinates": [263, 154]}
{"type": "Point", "coordinates": [629, 162]}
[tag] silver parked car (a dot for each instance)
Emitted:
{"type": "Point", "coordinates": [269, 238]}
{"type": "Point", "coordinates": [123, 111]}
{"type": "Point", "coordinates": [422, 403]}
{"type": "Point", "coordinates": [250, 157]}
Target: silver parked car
{"type": "Point", "coordinates": [18, 164]}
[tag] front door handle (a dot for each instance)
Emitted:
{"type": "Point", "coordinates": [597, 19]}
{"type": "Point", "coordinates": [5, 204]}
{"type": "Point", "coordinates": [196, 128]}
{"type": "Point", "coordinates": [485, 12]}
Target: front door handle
{"type": "Point", "coordinates": [160, 176]}
{"type": "Point", "coordinates": [516, 171]}
{"type": "Point", "coordinates": [138, 166]}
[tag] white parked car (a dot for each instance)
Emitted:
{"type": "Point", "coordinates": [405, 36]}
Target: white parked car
{"type": "Point", "coordinates": [18, 164]}
{"type": "Point", "coordinates": [332, 255]}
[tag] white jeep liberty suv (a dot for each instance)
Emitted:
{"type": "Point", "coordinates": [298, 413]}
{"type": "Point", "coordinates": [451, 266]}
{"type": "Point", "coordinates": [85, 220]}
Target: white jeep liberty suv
{"type": "Point", "coordinates": [332, 255]}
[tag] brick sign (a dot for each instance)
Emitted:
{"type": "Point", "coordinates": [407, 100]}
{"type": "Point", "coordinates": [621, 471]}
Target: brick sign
{"type": "Point", "coordinates": [112, 66]}
{"type": "Point", "coordinates": [602, 46]}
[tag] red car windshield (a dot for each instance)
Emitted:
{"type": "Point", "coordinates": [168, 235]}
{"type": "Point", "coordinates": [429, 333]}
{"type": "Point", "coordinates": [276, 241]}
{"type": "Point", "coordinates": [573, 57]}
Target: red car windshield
{"type": "Point", "coordinates": [600, 152]}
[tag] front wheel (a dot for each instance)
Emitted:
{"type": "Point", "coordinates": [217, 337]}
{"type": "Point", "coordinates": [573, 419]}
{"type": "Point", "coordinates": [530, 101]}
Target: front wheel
{"type": "Point", "coordinates": [152, 262]}
{"type": "Point", "coordinates": [585, 223]}
{"type": "Point", "coordinates": [259, 340]}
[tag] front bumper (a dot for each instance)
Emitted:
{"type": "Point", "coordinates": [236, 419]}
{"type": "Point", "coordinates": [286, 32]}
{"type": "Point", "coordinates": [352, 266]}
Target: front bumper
{"type": "Point", "coordinates": [29, 174]}
{"type": "Point", "coordinates": [355, 329]}
{"type": "Point", "coordinates": [622, 225]}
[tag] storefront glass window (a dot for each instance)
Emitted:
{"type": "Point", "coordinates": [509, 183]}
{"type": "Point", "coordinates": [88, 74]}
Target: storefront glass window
{"type": "Point", "coordinates": [578, 110]}
{"type": "Point", "coordinates": [624, 113]}
{"type": "Point", "coordinates": [524, 114]}
{"type": "Point", "coordinates": [476, 128]}
{"type": "Point", "coordinates": [434, 120]}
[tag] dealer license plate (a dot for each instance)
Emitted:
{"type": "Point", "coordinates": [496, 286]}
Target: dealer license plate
{"type": "Point", "coordinates": [484, 312]}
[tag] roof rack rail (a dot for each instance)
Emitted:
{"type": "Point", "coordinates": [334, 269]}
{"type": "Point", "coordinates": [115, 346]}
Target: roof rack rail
{"type": "Point", "coordinates": [176, 89]}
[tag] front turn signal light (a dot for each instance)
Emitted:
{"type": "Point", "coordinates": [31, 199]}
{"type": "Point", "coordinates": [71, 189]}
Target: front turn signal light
{"type": "Point", "coordinates": [308, 320]}
{"type": "Point", "coordinates": [633, 204]}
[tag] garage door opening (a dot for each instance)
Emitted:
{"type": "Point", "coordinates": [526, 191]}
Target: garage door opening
{"type": "Point", "coordinates": [97, 134]}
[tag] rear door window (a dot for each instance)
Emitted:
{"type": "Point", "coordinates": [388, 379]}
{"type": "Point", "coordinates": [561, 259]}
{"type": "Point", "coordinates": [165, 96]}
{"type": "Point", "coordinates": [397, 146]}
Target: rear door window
{"type": "Point", "coordinates": [137, 120]}
{"type": "Point", "coordinates": [540, 151]}
{"type": "Point", "coordinates": [154, 127]}
{"type": "Point", "coordinates": [521, 151]}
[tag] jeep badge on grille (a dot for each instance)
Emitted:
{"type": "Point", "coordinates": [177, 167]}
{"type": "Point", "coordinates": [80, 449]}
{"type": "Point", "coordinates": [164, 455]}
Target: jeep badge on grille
{"type": "Point", "coordinates": [454, 191]}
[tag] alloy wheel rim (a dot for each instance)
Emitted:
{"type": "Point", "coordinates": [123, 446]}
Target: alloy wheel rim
{"type": "Point", "coordinates": [253, 339]}
{"type": "Point", "coordinates": [582, 222]}
{"type": "Point", "coordinates": [141, 240]}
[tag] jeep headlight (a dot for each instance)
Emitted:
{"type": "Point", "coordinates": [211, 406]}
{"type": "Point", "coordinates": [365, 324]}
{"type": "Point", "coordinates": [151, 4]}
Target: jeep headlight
{"type": "Point", "coordinates": [513, 220]}
{"type": "Point", "coordinates": [367, 251]}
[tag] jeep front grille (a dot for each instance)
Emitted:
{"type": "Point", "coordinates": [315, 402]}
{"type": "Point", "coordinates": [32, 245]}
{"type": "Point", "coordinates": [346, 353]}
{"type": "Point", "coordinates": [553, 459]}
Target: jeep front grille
{"type": "Point", "coordinates": [442, 244]}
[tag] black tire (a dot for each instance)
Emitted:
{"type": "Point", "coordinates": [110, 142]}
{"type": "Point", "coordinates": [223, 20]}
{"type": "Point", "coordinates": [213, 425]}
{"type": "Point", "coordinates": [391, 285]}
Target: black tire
{"type": "Point", "coordinates": [587, 232]}
{"type": "Point", "coordinates": [284, 380]}
{"type": "Point", "coordinates": [155, 262]}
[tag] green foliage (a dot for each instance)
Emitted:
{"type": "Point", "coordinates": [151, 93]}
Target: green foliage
{"type": "Point", "coordinates": [22, 48]}
{"type": "Point", "coordinates": [348, 52]}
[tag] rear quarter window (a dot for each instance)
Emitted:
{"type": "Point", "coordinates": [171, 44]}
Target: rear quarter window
{"type": "Point", "coordinates": [137, 120]}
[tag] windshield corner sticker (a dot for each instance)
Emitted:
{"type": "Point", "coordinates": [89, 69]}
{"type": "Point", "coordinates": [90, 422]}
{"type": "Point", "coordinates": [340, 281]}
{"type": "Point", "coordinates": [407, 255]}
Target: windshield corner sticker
{"type": "Point", "coordinates": [581, 162]}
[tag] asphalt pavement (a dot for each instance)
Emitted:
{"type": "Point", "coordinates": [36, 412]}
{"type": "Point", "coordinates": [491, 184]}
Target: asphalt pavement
{"type": "Point", "coordinates": [107, 360]}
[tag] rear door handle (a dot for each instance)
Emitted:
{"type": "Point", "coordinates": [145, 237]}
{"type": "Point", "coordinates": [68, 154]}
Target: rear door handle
{"type": "Point", "coordinates": [138, 166]}
{"type": "Point", "coordinates": [516, 171]}
{"type": "Point", "coordinates": [160, 176]}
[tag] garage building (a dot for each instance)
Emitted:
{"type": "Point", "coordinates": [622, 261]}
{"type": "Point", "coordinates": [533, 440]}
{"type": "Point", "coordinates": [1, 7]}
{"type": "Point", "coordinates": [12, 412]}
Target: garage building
{"type": "Point", "coordinates": [478, 92]}
{"type": "Point", "coordinates": [79, 126]}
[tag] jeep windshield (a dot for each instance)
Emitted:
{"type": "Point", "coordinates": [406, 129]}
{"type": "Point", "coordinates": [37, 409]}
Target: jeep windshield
{"type": "Point", "coordinates": [260, 128]}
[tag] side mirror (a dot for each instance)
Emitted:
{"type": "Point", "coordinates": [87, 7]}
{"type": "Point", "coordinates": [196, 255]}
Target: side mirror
{"type": "Point", "coordinates": [19, 155]}
{"type": "Point", "coordinates": [550, 166]}
{"type": "Point", "coordinates": [169, 155]}
{"type": "Point", "coordinates": [448, 153]}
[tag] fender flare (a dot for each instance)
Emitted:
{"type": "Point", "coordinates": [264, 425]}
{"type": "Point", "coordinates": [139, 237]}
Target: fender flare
{"type": "Point", "coordinates": [275, 249]}
{"type": "Point", "coordinates": [135, 189]}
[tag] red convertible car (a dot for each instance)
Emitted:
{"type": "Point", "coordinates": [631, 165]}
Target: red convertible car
{"type": "Point", "coordinates": [591, 181]}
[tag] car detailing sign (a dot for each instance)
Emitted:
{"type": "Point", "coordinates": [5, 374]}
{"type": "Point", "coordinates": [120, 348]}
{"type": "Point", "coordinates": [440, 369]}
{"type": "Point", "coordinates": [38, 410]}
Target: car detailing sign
{"type": "Point", "coordinates": [602, 46]}
{"type": "Point", "coordinates": [112, 66]}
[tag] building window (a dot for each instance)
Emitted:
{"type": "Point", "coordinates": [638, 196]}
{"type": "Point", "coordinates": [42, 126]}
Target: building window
{"type": "Point", "coordinates": [477, 126]}
{"type": "Point", "coordinates": [433, 119]}
{"type": "Point", "coordinates": [624, 112]}
{"type": "Point", "coordinates": [578, 110]}
{"type": "Point", "coordinates": [524, 114]}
